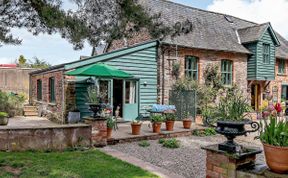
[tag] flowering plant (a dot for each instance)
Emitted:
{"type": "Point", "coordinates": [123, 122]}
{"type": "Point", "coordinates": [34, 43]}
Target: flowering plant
{"type": "Point", "coordinates": [274, 128]}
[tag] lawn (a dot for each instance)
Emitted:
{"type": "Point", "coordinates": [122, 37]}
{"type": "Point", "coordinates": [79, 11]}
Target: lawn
{"type": "Point", "coordinates": [76, 164]}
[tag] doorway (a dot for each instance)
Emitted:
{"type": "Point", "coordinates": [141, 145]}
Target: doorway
{"type": "Point", "coordinates": [255, 96]}
{"type": "Point", "coordinates": [118, 96]}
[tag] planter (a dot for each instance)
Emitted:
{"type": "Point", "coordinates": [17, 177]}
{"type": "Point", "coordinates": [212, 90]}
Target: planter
{"type": "Point", "coordinates": [187, 123]}
{"type": "Point", "coordinates": [232, 129]}
{"type": "Point", "coordinates": [156, 127]}
{"type": "Point", "coordinates": [109, 132]}
{"type": "Point", "coordinates": [276, 158]}
{"type": "Point", "coordinates": [169, 125]}
{"type": "Point", "coordinates": [136, 128]}
{"type": "Point", "coordinates": [4, 120]}
{"type": "Point", "coordinates": [95, 108]}
{"type": "Point", "coordinates": [73, 117]}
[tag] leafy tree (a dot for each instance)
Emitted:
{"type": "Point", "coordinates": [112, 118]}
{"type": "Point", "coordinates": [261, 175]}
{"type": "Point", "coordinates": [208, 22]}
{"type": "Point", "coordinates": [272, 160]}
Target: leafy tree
{"type": "Point", "coordinates": [94, 21]}
{"type": "Point", "coordinates": [22, 61]}
{"type": "Point", "coordinates": [39, 64]}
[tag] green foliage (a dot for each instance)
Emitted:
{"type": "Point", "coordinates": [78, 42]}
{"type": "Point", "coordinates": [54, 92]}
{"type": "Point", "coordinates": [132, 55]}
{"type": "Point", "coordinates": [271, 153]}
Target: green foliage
{"type": "Point", "coordinates": [11, 103]}
{"type": "Point", "coordinates": [205, 132]}
{"type": "Point", "coordinates": [170, 143]}
{"type": "Point", "coordinates": [144, 143]}
{"type": "Point", "coordinates": [212, 76]}
{"type": "Point", "coordinates": [157, 118]}
{"type": "Point", "coordinates": [161, 141]}
{"type": "Point", "coordinates": [275, 133]}
{"type": "Point", "coordinates": [72, 164]}
{"type": "Point", "coordinates": [22, 61]}
{"type": "Point", "coordinates": [111, 122]}
{"type": "Point", "coordinates": [3, 114]}
{"type": "Point", "coordinates": [185, 84]}
{"type": "Point", "coordinates": [170, 116]}
{"type": "Point", "coordinates": [92, 94]}
{"type": "Point", "coordinates": [176, 70]}
{"type": "Point", "coordinates": [233, 106]}
{"type": "Point", "coordinates": [39, 64]}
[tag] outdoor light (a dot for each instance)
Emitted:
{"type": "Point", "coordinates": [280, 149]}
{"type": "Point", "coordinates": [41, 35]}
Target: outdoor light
{"type": "Point", "coordinates": [145, 84]}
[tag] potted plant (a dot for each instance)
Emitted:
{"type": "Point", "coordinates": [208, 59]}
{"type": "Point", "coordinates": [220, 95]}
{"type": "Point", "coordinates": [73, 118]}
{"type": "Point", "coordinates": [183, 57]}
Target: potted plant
{"type": "Point", "coordinates": [110, 125]}
{"type": "Point", "coordinates": [3, 118]}
{"type": "Point", "coordinates": [94, 100]}
{"type": "Point", "coordinates": [231, 115]}
{"type": "Point", "coordinates": [187, 121]}
{"type": "Point", "coordinates": [136, 125]}
{"type": "Point", "coordinates": [274, 137]}
{"type": "Point", "coordinates": [169, 121]}
{"type": "Point", "coordinates": [156, 123]}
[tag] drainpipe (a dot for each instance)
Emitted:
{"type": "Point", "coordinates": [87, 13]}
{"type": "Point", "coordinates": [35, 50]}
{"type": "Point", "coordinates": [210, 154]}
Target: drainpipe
{"type": "Point", "coordinates": [163, 76]}
{"type": "Point", "coordinates": [63, 96]}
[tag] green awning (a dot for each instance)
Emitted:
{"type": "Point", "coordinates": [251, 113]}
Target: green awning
{"type": "Point", "coordinates": [99, 70]}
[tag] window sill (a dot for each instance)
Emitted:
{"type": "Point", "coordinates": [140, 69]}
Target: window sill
{"type": "Point", "coordinates": [283, 75]}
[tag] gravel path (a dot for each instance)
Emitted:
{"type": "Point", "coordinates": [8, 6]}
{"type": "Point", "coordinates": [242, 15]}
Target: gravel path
{"type": "Point", "coordinates": [188, 160]}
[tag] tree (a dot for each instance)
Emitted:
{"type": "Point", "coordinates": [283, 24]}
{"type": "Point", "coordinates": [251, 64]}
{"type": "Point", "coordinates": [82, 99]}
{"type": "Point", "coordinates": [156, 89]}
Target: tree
{"type": "Point", "coordinates": [22, 61]}
{"type": "Point", "coordinates": [39, 64]}
{"type": "Point", "coordinates": [94, 21]}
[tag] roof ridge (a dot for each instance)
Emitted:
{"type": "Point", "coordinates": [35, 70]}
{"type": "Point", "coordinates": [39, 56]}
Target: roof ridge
{"type": "Point", "coordinates": [195, 8]}
{"type": "Point", "coordinates": [257, 25]}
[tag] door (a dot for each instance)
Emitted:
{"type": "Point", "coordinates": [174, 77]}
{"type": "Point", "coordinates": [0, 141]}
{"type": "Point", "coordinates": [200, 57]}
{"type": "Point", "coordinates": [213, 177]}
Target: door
{"type": "Point", "coordinates": [130, 99]}
{"type": "Point", "coordinates": [105, 90]}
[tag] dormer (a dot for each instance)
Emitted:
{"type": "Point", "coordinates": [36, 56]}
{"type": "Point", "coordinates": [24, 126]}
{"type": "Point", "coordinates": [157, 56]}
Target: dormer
{"type": "Point", "coordinates": [261, 41]}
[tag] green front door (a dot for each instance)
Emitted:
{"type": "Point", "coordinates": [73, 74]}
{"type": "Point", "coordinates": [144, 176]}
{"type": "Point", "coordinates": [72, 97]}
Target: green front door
{"type": "Point", "coordinates": [130, 99]}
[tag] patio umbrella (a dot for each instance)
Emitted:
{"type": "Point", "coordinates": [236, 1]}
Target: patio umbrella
{"type": "Point", "coordinates": [99, 70]}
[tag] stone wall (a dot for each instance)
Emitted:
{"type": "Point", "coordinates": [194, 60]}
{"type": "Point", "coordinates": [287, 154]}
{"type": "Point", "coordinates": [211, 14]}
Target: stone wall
{"type": "Point", "coordinates": [205, 57]}
{"type": "Point", "coordinates": [55, 138]}
{"type": "Point", "coordinates": [57, 110]}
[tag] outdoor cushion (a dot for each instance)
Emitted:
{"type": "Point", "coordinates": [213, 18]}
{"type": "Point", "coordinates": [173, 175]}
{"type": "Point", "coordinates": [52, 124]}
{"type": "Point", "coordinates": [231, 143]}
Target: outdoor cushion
{"type": "Point", "coordinates": [162, 108]}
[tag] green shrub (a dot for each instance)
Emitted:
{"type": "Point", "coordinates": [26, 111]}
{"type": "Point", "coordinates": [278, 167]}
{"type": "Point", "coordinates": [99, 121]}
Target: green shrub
{"type": "Point", "coordinates": [144, 143]}
{"type": "Point", "coordinates": [111, 122]}
{"type": "Point", "coordinates": [161, 141]}
{"type": "Point", "coordinates": [11, 103]}
{"type": "Point", "coordinates": [205, 132]}
{"type": "Point", "coordinates": [3, 114]}
{"type": "Point", "coordinates": [170, 143]}
{"type": "Point", "coordinates": [170, 117]}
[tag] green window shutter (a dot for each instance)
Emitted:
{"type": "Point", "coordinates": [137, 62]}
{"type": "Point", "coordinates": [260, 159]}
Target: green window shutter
{"type": "Point", "coordinates": [191, 67]}
{"type": "Point", "coordinates": [281, 66]}
{"type": "Point", "coordinates": [52, 89]}
{"type": "Point", "coordinates": [266, 53]}
{"type": "Point", "coordinates": [39, 90]}
{"type": "Point", "coordinates": [226, 72]}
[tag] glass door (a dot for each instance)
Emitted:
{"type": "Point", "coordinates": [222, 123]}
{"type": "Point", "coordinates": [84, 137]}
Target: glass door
{"type": "Point", "coordinates": [130, 99]}
{"type": "Point", "coordinates": [105, 90]}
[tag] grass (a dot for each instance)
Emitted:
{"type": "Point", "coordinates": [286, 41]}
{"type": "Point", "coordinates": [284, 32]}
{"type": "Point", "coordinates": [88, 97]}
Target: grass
{"type": "Point", "coordinates": [76, 164]}
{"type": "Point", "coordinates": [144, 143]}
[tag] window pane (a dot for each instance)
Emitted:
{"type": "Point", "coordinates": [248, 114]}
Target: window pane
{"type": "Point", "coordinates": [103, 89]}
{"type": "Point", "coordinates": [226, 68]}
{"type": "Point", "coordinates": [52, 89]}
{"type": "Point", "coordinates": [130, 97]}
{"type": "Point", "coordinates": [191, 67]}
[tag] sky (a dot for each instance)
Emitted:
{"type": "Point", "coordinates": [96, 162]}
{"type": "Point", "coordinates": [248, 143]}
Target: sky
{"type": "Point", "coordinates": [56, 50]}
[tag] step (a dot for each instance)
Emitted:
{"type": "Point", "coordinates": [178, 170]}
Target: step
{"type": "Point", "coordinates": [30, 113]}
{"type": "Point", "coordinates": [30, 108]}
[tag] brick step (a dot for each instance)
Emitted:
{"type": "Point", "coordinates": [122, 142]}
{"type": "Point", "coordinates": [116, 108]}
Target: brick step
{"type": "Point", "coordinates": [30, 109]}
{"type": "Point", "coordinates": [30, 113]}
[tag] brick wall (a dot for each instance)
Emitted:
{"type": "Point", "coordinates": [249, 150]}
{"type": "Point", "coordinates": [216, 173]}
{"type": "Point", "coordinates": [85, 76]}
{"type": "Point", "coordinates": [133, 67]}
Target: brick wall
{"type": "Point", "coordinates": [205, 57]}
{"type": "Point", "coordinates": [54, 111]}
{"type": "Point", "coordinates": [279, 79]}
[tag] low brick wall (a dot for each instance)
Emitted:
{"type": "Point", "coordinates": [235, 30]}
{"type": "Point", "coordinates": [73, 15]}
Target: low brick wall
{"type": "Point", "coordinates": [50, 138]}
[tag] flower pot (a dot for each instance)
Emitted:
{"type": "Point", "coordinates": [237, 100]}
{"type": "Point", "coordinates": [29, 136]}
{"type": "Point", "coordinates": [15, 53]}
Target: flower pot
{"type": "Point", "coordinates": [136, 127]}
{"type": "Point", "coordinates": [276, 158]}
{"type": "Point", "coordinates": [73, 117]}
{"type": "Point", "coordinates": [4, 120]}
{"type": "Point", "coordinates": [187, 123]}
{"type": "Point", "coordinates": [169, 125]}
{"type": "Point", "coordinates": [156, 127]}
{"type": "Point", "coordinates": [109, 132]}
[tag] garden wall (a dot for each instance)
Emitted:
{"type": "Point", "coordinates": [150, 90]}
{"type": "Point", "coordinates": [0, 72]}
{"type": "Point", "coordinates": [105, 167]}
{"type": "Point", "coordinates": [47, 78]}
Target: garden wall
{"type": "Point", "coordinates": [50, 138]}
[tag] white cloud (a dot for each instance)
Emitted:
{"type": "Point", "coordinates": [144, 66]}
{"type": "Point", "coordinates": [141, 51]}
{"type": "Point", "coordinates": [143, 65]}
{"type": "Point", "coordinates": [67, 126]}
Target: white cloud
{"type": "Point", "coordinates": [259, 11]}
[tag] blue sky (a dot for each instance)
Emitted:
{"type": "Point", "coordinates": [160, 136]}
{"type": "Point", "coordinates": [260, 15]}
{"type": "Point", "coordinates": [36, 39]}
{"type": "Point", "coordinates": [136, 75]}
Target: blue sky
{"type": "Point", "coordinates": [56, 50]}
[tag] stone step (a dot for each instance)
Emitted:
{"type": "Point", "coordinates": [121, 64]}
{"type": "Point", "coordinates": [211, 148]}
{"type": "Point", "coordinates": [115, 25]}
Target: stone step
{"type": "Point", "coordinates": [30, 108]}
{"type": "Point", "coordinates": [30, 113]}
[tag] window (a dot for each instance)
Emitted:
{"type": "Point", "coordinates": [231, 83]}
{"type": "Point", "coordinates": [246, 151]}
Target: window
{"type": "Point", "coordinates": [281, 66]}
{"type": "Point", "coordinates": [226, 72]}
{"type": "Point", "coordinates": [284, 93]}
{"type": "Point", "coordinates": [266, 53]}
{"type": "Point", "coordinates": [191, 67]}
{"type": "Point", "coordinates": [130, 95]}
{"type": "Point", "coordinates": [52, 89]}
{"type": "Point", "coordinates": [39, 90]}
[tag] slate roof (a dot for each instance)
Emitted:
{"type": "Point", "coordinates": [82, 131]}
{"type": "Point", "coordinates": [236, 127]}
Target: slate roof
{"type": "Point", "coordinates": [253, 33]}
{"type": "Point", "coordinates": [211, 30]}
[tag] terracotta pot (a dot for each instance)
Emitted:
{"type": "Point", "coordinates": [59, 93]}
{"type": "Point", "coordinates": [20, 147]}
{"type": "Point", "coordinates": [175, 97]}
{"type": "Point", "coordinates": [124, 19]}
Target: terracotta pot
{"type": "Point", "coordinates": [169, 125]}
{"type": "Point", "coordinates": [276, 158]}
{"type": "Point", "coordinates": [156, 127]}
{"type": "Point", "coordinates": [109, 132]}
{"type": "Point", "coordinates": [136, 129]}
{"type": "Point", "coordinates": [187, 123]}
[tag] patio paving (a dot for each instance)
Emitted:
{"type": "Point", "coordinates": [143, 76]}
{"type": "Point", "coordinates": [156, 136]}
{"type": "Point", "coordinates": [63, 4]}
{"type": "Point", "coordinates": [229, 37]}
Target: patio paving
{"type": "Point", "coordinates": [124, 132]}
